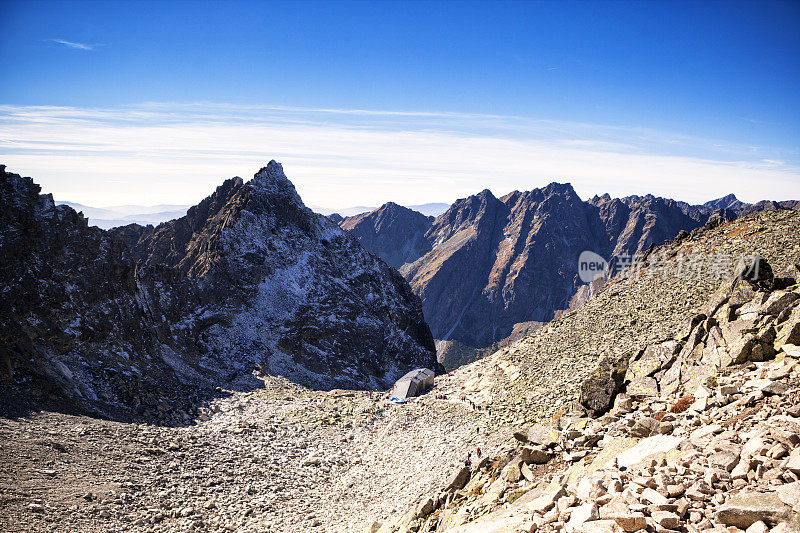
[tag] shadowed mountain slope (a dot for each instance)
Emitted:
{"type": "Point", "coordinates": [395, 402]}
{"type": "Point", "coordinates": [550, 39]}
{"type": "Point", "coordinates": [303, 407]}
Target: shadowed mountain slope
{"type": "Point", "coordinates": [494, 262]}
{"type": "Point", "coordinates": [394, 233]}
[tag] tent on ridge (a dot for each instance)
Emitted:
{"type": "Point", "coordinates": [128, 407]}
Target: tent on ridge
{"type": "Point", "coordinates": [413, 384]}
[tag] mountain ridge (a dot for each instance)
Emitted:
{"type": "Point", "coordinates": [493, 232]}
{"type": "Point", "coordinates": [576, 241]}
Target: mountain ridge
{"type": "Point", "coordinates": [491, 261]}
{"type": "Point", "coordinates": [249, 279]}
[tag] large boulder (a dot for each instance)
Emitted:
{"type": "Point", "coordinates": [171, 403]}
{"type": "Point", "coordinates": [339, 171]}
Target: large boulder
{"type": "Point", "coordinates": [542, 435]}
{"type": "Point", "coordinates": [646, 448]}
{"type": "Point", "coordinates": [597, 393]}
{"type": "Point", "coordinates": [642, 388]}
{"type": "Point", "coordinates": [652, 359]}
{"type": "Point", "coordinates": [459, 480]}
{"type": "Point", "coordinates": [754, 271]}
{"type": "Point", "coordinates": [535, 455]}
{"type": "Point", "coordinates": [789, 330]}
{"type": "Point", "coordinates": [746, 508]}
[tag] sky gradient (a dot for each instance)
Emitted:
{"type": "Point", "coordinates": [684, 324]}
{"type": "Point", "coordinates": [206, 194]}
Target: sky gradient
{"type": "Point", "coordinates": [110, 103]}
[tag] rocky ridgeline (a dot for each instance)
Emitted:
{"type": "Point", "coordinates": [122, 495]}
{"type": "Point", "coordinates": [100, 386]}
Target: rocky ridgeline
{"type": "Point", "coordinates": [143, 321]}
{"type": "Point", "coordinates": [628, 315]}
{"type": "Point", "coordinates": [489, 263]}
{"type": "Point", "coordinates": [691, 434]}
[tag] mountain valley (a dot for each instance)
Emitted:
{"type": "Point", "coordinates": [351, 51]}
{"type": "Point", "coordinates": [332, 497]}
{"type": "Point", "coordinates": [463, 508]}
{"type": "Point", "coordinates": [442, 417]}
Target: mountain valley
{"type": "Point", "coordinates": [190, 376]}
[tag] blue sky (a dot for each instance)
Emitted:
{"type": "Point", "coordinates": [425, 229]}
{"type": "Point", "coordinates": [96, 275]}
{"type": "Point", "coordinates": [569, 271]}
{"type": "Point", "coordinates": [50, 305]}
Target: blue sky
{"type": "Point", "coordinates": [477, 94]}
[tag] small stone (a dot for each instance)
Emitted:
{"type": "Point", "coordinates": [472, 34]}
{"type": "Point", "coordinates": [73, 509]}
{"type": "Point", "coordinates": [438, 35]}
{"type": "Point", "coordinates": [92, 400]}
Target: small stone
{"type": "Point", "coordinates": [653, 496]}
{"type": "Point", "coordinates": [666, 519]}
{"type": "Point", "coordinates": [727, 390]}
{"type": "Point", "coordinates": [794, 461]}
{"type": "Point", "coordinates": [582, 514]}
{"type": "Point", "coordinates": [675, 491]}
{"type": "Point", "coordinates": [775, 388]}
{"type": "Point", "coordinates": [758, 527]}
{"type": "Point", "coordinates": [790, 494]}
{"type": "Point", "coordinates": [589, 488]}
{"type": "Point", "coordinates": [630, 521]}
{"type": "Point", "coordinates": [425, 508]}
{"type": "Point", "coordinates": [724, 459]}
{"type": "Point", "coordinates": [601, 526]}
{"type": "Point", "coordinates": [571, 457]}
{"type": "Point", "coordinates": [645, 427]}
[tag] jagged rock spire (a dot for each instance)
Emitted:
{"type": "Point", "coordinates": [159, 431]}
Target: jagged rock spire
{"type": "Point", "coordinates": [272, 180]}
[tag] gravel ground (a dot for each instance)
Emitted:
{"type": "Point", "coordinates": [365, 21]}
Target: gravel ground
{"type": "Point", "coordinates": [284, 458]}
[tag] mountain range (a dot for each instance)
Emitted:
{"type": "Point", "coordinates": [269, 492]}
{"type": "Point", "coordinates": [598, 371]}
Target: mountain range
{"type": "Point", "coordinates": [122, 215]}
{"type": "Point", "coordinates": [489, 263]}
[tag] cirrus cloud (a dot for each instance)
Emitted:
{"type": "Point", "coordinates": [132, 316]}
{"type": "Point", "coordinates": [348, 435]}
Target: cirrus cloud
{"type": "Point", "coordinates": [74, 45]}
{"type": "Point", "coordinates": [178, 153]}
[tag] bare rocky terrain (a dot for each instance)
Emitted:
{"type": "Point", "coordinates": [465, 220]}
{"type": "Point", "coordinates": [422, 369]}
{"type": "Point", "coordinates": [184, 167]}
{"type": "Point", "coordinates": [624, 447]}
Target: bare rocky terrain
{"type": "Point", "coordinates": [693, 430]}
{"type": "Point", "coordinates": [285, 457]}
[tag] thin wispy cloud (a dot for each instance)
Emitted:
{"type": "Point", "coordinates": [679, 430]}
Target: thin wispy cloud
{"type": "Point", "coordinates": [178, 153]}
{"type": "Point", "coordinates": [74, 45]}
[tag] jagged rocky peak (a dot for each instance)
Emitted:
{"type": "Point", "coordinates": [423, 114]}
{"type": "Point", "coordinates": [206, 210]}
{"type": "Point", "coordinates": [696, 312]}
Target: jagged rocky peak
{"type": "Point", "coordinates": [558, 188]}
{"type": "Point", "coordinates": [600, 200]}
{"type": "Point", "coordinates": [394, 233]}
{"type": "Point", "coordinates": [561, 190]}
{"type": "Point", "coordinates": [272, 180]}
{"type": "Point", "coordinates": [464, 212]}
{"type": "Point", "coordinates": [726, 202]}
{"type": "Point", "coordinates": [248, 279]}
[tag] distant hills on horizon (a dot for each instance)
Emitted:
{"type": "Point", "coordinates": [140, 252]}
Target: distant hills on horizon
{"type": "Point", "coordinates": [122, 215]}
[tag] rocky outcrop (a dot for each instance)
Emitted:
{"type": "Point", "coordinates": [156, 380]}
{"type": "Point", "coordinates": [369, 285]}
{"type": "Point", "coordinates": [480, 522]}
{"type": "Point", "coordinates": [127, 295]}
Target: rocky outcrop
{"type": "Point", "coordinates": [394, 233]}
{"type": "Point", "coordinates": [248, 279]}
{"type": "Point", "coordinates": [635, 223]}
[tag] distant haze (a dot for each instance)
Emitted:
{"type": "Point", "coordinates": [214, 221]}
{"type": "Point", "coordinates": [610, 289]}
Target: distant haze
{"type": "Point", "coordinates": [178, 154]}
{"type": "Point", "coordinates": [122, 215]}
{"type": "Point", "coordinates": [432, 209]}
